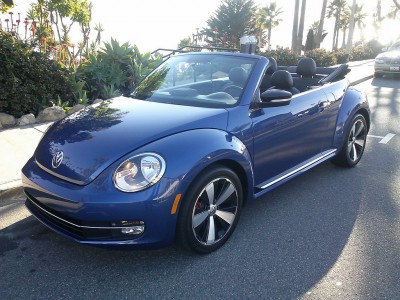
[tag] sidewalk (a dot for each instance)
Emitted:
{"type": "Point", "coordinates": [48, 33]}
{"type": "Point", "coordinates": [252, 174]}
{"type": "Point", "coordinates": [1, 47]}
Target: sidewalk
{"type": "Point", "coordinates": [16, 147]}
{"type": "Point", "coordinates": [18, 144]}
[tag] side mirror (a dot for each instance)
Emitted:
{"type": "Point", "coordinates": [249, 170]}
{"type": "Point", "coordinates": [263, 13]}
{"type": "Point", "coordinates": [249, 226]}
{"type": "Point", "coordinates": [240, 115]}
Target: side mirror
{"type": "Point", "coordinates": [275, 98]}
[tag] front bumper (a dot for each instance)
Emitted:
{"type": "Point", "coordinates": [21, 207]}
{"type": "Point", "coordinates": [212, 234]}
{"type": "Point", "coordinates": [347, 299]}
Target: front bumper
{"type": "Point", "coordinates": [95, 214]}
{"type": "Point", "coordinates": [387, 69]}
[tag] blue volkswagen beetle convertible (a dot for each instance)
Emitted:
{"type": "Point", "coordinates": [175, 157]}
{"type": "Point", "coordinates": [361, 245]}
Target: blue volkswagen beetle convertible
{"type": "Point", "coordinates": [200, 137]}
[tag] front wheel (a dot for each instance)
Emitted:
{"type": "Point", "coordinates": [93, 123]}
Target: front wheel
{"type": "Point", "coordinates": [354, 143]}
{"type": "Point", "coordinates": [210, 211]}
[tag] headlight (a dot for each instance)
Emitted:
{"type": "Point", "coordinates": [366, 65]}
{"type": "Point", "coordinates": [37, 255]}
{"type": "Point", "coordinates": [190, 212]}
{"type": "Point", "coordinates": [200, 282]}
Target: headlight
{"type": "Point", "coordinates": [379, 61]}
{"type": "Point", "coordinates": [139, 172]}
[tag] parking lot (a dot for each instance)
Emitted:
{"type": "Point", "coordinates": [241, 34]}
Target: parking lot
{"type": "Point", "coordinates": [331, 233]}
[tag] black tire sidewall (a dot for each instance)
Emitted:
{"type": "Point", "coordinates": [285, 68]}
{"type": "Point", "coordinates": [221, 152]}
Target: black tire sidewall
{"type": "Point", "coordinates": [349, 161]}
{"type": "Point", "coordinates": [185, 232]}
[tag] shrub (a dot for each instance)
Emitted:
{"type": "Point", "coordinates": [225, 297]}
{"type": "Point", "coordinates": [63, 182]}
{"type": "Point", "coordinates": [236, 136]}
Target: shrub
{"type": "Point", "coordinates": [375, 46]}
{"type": "Point", "coordinates": [114, 69]}
{"type": "Point", "coordinates": [362, 52]}
{"type": "Point", "coordinates": [322, 57]}
{"type": "Point", "coordinates": [28, 79]}
{"type": "Point", "coordinates": [283, 56]}
{"type": "Point", "coordinates": [341, 56]}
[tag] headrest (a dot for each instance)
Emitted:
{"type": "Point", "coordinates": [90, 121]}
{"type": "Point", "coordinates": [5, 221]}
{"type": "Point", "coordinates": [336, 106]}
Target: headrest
{"type": "Point", "coordinates": [282, 79]}
{"type": "Point", "coordinates": [273, 66]}
{"type": "Point", "coordinates": [238, 75]}
{"type": "Point", "coordinates": [306, 67]}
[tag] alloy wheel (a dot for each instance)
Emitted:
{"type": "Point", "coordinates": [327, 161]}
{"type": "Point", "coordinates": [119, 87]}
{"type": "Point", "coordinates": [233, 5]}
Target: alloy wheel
{"type": "Point", "coordinates": [215, 211]}
{"type": "Point", "coordinates": [356, 140]}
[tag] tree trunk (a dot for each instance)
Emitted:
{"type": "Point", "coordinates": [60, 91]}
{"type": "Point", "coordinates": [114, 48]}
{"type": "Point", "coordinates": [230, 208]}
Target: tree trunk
{"type": "Point", "coordinates": [269, 35]}
{"type": "Point", "coordinates": [334, 35]}
{"type": "Point", "coordinates": [337, 35]}
{"type": "Point", "coordinates": [351, 28]}
{"type": "Point", "coordinates": [301, 27]}
{"type": "Point", "coordinates": [396, 3]}
{"type": "Point", "coordinates": [295, 25]}
{"type": "Point", "coordinates": [318, 38]}
{"type": "Point", "coordinates": [344, 38]}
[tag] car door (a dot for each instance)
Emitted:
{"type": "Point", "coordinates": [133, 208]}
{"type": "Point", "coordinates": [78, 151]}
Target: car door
{"type": "Point", "coordinates": [285, 137]}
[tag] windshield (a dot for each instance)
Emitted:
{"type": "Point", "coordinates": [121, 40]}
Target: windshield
{"type": "Point", "coordinates": [395, 47]}
{"type": "Point", "coordinates": [205, 80]}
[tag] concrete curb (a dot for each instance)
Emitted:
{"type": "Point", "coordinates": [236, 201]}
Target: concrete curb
{"type": "Point", "coordinates": [12, 191]}
{"type": "Point", "coordinates": [361, 80]}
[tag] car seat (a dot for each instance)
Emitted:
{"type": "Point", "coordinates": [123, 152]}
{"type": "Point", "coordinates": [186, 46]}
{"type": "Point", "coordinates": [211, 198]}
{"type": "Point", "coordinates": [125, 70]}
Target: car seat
{"type": "Point", "coordinates": [282, 80]}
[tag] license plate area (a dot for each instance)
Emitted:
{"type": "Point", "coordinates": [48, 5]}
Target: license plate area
{"type": "Point", "coordinates": [394, 68]}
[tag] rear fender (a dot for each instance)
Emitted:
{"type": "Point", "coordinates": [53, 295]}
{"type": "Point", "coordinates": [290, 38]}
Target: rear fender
{"type": "Point", "coordinates": [353, 102]}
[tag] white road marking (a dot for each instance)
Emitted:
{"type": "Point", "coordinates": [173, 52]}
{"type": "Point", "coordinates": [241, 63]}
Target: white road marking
{"type": "Point", "coordinates": [387, 138]}
{"type": "Point", "coordinates": [384, 139]}
{"type": "Point", "coordinates": [375, 136]}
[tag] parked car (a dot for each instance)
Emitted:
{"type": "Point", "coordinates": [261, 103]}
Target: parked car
{"type": "Point", "coordinates": [388, 62]}
{"type": "Point", "coordinates": [197, 140]}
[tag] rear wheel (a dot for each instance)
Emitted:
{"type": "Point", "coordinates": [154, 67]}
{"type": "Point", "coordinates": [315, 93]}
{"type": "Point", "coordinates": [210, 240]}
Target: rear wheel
{"type": "Point", "coordinates": [210, 211]}
{"type": "Point", "coordinates": [354, 143]}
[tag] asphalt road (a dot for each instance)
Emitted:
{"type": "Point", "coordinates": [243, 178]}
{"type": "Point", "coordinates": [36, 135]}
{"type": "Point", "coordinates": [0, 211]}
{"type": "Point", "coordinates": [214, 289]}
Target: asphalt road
{"type": "Point", "coordinates": [331, 233]}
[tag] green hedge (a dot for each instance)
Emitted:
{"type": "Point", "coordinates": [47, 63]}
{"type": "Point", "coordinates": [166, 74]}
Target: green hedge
{"type": "Point", "coordinates": [323, 58]}
{"type": "Point", "coordinates": [283, 56]}
{"type": "Point", "coordinates": [28, 79]}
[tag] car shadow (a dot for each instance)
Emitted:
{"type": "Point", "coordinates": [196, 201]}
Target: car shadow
{"type": "Point", "coordinates": [389, 81]}
{"type": "Point", "coordinates": [284, 243]}
{"type": "Point", "coordinates": [387, 100]}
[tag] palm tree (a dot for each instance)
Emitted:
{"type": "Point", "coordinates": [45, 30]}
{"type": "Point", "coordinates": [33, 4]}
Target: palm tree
{"type": "Point", "coordinates": [260, 21]}
{"type": "Point", "coordinates": [295, 25]}
{"type": "Point", "coordinates": [359, 16]}
{"type": "Point", "coordinates": [321, 24]}
{"type": "Point", "coordinates": [334, 10]}
{"type": "Point", "coordinates": [266, 18]}
{"type": "Point", "coordinates": [301, 27]}
{"type": "Point", "coordinates": [272, 13]}
{"type": "Point", "coordinates": [356, 18]}
{"type": "Point", "coordinates": [344, 24]}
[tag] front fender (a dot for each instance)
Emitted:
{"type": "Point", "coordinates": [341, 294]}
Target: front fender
{"type": "Point", "coordinates": [188, 153]}
{"type": "Point", "coordinates": [354, 101]}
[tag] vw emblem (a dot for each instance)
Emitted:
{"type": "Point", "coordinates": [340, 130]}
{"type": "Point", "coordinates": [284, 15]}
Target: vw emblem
{"type": "Point", "coordinates": [57, 159]}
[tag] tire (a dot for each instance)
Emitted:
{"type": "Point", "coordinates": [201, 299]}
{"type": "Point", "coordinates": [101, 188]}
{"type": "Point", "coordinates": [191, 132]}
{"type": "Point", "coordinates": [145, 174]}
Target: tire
{"type": "Point", "coordinates": [354, 143]}
{"type": "Point", "coordinates": [210, 211]}
{"type": "Point", "coordinates": [378, 75]}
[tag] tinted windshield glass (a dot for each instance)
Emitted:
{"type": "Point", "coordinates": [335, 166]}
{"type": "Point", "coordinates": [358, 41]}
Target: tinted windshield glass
{"type": "Point", "coordinates": [395, 47]}
{"type": "Point", "coordinates": [204, 80]}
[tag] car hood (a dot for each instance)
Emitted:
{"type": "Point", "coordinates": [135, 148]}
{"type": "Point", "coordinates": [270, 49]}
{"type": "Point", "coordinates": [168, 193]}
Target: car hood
{"type": "Point", "coordinates": [389, 54]}
{"type": "Point", "coordinates": [94, 138]}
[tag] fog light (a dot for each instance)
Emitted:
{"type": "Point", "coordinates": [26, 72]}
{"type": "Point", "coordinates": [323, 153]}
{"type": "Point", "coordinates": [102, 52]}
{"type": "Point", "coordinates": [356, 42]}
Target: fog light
{"type": "Point", "coordinates": [133, 230]}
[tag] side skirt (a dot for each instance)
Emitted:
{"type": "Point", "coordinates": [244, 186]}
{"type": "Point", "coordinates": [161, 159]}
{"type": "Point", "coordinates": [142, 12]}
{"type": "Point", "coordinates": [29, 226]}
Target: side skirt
{"type": "Point", "coordinates": [276, 181]}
